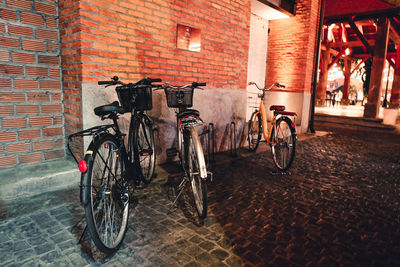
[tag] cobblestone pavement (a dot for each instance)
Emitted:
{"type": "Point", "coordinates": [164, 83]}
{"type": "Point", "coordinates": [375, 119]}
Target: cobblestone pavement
{"type": "Point", "coordinates": [339, 205]}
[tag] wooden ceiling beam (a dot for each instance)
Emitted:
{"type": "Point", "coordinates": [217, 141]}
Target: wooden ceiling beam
{"type": "Point", "coordinates": [352, 44]}
{"type": "Point", "coordinates": [360, 36]}
{"type": "Point", "coordinates": [364, 16]}
{"type": "Point", "coordinates": [359, 64]}
{"type": "Point", "coordinates": [336, 59]}
{"type": "Point", "coordinates": [395, 28]}
{"type": "Point", "coordinates": [361, 56]}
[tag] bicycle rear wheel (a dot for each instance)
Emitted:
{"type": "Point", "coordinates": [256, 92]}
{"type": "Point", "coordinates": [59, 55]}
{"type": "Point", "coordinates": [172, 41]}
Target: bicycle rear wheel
{"type": "Point", "coordinates": [197, 173]}
{"type": "Point", "coordinates": [107, 194]}
{"type": "Point", "coordinates": [283, 147]}
{"type": "Point", "coordinates": [254, 135]}
{"type": "Point", "coordinates": [144, 148]}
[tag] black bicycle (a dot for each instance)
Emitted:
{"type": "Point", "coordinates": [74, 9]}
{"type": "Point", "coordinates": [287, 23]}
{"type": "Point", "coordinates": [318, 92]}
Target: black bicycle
{"type": "Point", "coordinates": [110, 171]}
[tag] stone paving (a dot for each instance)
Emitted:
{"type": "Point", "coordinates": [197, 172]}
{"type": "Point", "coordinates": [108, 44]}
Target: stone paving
{"type": "Point", "coordinates": [340, 205]}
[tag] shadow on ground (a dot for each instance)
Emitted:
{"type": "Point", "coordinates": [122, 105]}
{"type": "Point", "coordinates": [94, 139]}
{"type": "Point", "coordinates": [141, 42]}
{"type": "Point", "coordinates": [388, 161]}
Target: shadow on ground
{"type": "Point", "coordinates": [339, 205]}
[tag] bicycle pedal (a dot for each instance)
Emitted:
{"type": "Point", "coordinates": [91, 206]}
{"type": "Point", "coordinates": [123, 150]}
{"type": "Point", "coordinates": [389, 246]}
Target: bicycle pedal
{"type": "Point", "coordinates": [172, 152]}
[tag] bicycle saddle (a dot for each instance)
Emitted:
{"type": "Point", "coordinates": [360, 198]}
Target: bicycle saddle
{"type": "Point", "coordinates": [188, 112]}
{"type": "Point", "coordinates": [109, 108]}
{"type": "Point", "coordinates": [287, 113]}
{"type": "Point", "coordinates": [279, 108]}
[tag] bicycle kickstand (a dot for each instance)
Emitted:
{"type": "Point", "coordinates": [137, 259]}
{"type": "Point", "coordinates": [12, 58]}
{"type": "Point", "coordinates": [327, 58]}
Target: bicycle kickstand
{"type": "Point", "coordinates": [84, 230]}
{"type": "Point", "coordinates": [180, 190]}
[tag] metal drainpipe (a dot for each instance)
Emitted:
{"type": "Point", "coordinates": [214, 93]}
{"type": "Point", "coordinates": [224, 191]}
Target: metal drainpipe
{"type": "Point", "coordinates": [316, 67]}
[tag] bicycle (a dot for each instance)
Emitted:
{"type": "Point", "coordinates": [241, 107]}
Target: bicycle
{"type": "Point", "coordinates": [281, 137]}
{"type": "Point", "coordinates": [109, 170]}
{"type": "Point", "coordinates": [189, 149]}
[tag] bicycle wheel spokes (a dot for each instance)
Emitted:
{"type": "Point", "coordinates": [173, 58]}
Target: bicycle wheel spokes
{"type": "Point", "coordinates": [254, 134]}
{"type": "Point", "coordinates": [108, 209]}
{"type": "Point", "coordinates": [284, 144]}
{"type": "Point", "coordinates": [198, 185]}
{"type": "Point", "coordinates": [145, 149]}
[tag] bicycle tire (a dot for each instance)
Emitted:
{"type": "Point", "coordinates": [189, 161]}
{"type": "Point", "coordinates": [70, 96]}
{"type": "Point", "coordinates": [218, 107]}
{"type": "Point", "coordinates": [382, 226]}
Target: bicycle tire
{"type": "Point", "coordinates": [197, 172]}
{"type": "Point", "coordinates": [106, 194]}
{"type": "Point", "coordinates": [144, 149]}
{"type": "Point", "coordinates": [254, 134]}
{"type": "Point", "coordinates": [284, 140]}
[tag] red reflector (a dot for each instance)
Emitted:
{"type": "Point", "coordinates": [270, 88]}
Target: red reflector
{"type": "Point", "coordinates": [82, 166]}
{"type": "Point", "coordinates": [105, 145]}
{"type": "Point", "coordinates": [293, 125]}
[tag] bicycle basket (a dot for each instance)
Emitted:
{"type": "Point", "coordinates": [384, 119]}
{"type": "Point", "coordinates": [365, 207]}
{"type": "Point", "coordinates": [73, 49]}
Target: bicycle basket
{"type": "Point", "coordinates": [179, 98]}
{"type": "Point", "coordinates": [137, 97]}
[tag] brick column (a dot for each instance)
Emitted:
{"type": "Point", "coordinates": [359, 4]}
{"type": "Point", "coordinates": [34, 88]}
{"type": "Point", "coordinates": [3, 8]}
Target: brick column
{"type": "Point", "coordinates": [371, 109]}
{"type": "Point", "coordinates": [71, 55]}
{"type": "Point", "coordinates": [31, 121]}
{"type": "Point", "coordinates": [291, 58]}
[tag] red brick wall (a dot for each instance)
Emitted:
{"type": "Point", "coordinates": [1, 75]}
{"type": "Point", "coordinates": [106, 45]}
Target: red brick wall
{"type": "Point", "coordinates": [291, 48]}
{"type": "Point", "coordinates": [135, 39]}
{"type": "Point", "coordinates": [31, 121]}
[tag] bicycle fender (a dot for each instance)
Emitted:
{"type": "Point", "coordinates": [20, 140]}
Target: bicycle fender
{"type": "Point", "coordinates": [83, 194]}
{"type": "Point", "coordinates": [199, 150]}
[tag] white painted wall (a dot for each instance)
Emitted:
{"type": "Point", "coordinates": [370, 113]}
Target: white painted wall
{"type": "Point", "coordinates": [257, 61]}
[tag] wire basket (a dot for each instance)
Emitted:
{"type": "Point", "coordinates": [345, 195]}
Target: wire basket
{"type": "Point", "coordinates": [179, 98]}
{"type": "Point", "coordinates": [137, 97]}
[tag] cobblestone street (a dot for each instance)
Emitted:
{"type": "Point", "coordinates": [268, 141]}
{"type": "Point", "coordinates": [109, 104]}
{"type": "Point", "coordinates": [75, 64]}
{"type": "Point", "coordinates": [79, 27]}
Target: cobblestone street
{"type": "Point", "coordinates": [340, 204]}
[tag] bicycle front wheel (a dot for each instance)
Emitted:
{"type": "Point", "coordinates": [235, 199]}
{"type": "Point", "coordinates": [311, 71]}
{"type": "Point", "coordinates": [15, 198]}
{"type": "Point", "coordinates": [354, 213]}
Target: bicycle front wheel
{"type": "Point", "coordinates": [283, 143]}
{"type": "Point", "coordinates": [254, 135]}
{"type": "Point", "coordinates": [197, 173]}
{"type": "Point", "coordinates": [144, 148]}
{"type": "Point", "coordinates": [107, 207]}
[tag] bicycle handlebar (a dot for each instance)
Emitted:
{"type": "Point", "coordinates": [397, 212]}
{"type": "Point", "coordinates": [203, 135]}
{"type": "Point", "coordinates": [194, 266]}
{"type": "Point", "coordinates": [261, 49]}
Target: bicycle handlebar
{"type": "Point", "coordinates": [268, 88]}
{"type": "Point", "coordinates": [194, 85]}
{"type": "Point", "coordinates": [115, 80]}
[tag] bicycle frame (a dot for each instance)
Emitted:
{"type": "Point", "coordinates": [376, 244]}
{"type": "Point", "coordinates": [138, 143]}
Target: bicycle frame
{"type": "Point", "coordinates": [264, 123]}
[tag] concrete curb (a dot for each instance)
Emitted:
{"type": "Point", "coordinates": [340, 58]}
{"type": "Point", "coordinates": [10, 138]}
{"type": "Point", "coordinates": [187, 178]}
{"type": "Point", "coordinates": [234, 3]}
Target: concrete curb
{"type": "Point", "coordinates": [40, 184]}
{"type": "Point", "coordinates": [36, 179]}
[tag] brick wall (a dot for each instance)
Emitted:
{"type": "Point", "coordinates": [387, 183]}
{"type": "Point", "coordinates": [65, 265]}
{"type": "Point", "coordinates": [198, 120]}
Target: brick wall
{"type": "Point", "coordinates": [136, 39]}
{"type": "Point", "coordinates": [291, 48]}
{"type": "Point", "coordinates": [31, 120]}
{"type": "Point", "coordinates": [133, 39]}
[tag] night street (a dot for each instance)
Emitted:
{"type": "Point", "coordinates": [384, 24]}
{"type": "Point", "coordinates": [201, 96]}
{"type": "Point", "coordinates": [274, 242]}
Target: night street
{"type": "Point", "coordinates": [340, 204]}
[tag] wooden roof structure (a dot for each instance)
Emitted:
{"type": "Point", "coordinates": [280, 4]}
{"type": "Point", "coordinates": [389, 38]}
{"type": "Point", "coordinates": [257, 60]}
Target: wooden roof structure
{"type": "Point", "coordinates": [349, 26]}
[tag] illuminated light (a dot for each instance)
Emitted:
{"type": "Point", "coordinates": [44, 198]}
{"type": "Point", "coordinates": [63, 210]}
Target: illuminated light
{"type": "Point", "coordinates": [82, 166]}
{"type": "Point", "coordinates": [347, 51]}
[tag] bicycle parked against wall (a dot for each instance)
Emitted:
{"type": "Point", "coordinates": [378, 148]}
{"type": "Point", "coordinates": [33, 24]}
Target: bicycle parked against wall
{"type": "Point", "coordinates": [189, 148]}
{"type": "Point", "coordinates": [281, 137]}
{"type": "Point", "coordinates": [109, 169]}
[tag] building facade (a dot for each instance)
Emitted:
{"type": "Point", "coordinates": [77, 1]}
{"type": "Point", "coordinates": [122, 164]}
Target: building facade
{"type": "Point", "coordinates": [53, 53]}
